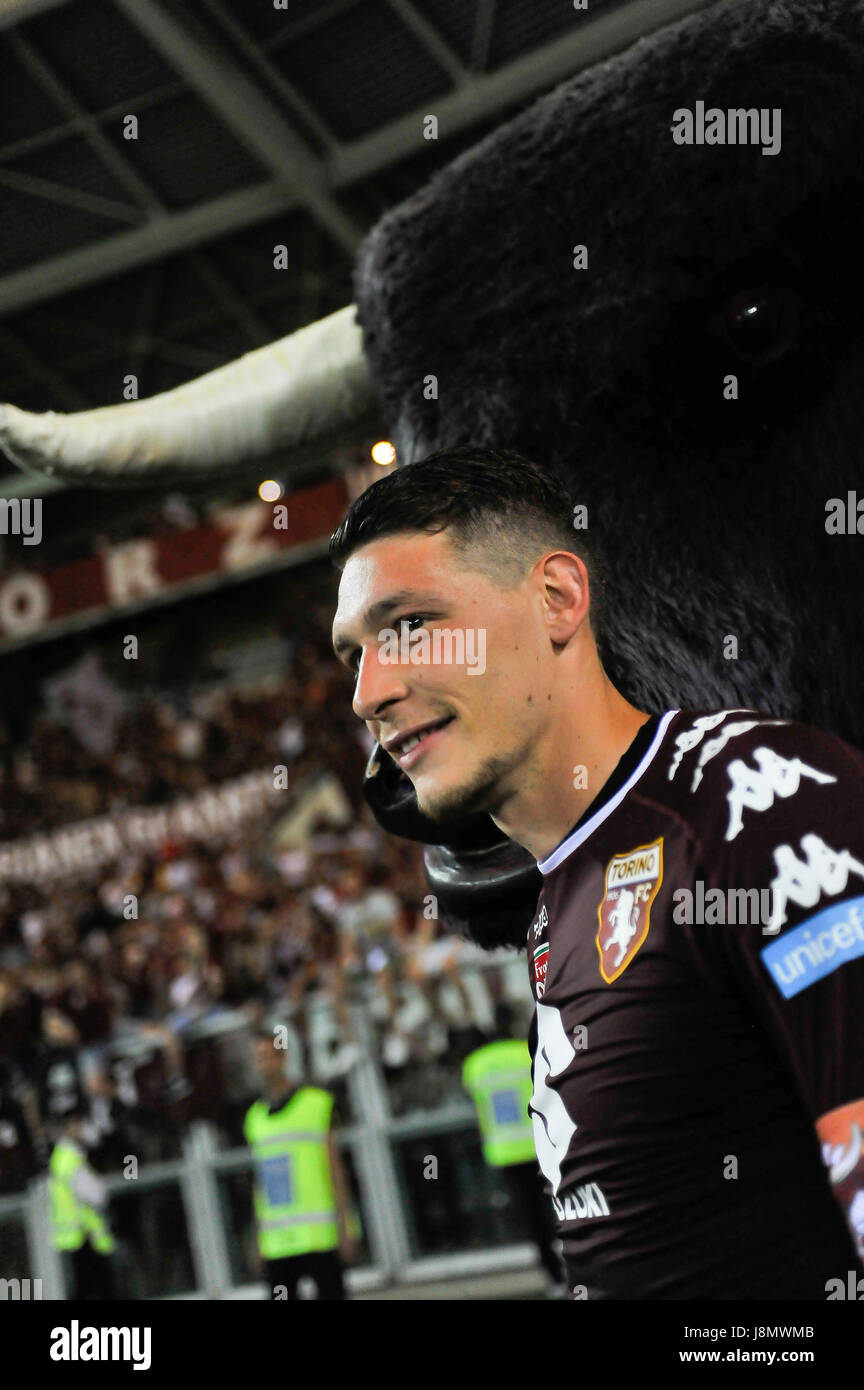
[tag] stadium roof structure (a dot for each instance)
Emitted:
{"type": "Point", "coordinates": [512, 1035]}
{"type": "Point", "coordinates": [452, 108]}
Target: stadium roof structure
{"type": "Point", "coordinates": [259, 123]}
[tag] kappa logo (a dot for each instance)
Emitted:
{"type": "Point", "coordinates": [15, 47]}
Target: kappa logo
{"type": "Point", "coordinates": [691, 738]}
{"type": "Point", "coordinates": [756, 789]}
{"type": "Point", "coordinates": [542, 921]}
{"type": "Point", "coordinates": [624, 915]}
{"type": "Point", "coordinates": [822, 871]}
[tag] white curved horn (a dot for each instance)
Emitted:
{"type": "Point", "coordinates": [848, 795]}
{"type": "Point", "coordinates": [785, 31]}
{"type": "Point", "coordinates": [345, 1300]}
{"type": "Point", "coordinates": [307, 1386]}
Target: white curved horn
{"type": "Point", "coordinates": [293, 391]}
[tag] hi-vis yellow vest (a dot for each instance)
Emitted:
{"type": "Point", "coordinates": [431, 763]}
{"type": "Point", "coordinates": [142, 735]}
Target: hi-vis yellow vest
{"type": "Point", "coordinates": [73, 1221]}
{"type": "Point", "coordinates": [294, 1202]}
{"type": "Point", "coordinates": [499, 1079]}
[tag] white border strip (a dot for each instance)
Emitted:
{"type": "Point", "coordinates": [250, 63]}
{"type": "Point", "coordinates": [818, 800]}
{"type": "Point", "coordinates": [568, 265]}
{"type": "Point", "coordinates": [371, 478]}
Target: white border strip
{"type": "Point", "coordinates": [581, 835]}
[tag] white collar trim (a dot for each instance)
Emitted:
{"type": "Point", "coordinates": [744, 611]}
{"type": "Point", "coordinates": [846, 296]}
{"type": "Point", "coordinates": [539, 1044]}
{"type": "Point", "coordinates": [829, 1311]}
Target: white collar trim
{"type": "Point", "coordinates": [581, 835]}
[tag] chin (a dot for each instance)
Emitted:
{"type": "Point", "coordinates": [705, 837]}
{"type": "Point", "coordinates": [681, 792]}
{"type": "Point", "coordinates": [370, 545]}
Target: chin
{"type": "Point", "coordinates": [443, 805]}
{"type": "Point", "coordinates": [478, 793]}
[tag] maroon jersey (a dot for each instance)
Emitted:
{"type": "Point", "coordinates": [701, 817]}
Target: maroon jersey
{"type": "Point", "coordinates": [697, 960]}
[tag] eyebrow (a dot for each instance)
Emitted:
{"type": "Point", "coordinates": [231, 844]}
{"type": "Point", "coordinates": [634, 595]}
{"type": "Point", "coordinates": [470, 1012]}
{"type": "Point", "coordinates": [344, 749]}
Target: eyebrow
{"type": "Point", "coordinates": [377, 612]}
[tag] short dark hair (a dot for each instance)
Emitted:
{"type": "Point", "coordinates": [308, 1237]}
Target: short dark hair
{"type": "Point", "coordinates": [502, 510]}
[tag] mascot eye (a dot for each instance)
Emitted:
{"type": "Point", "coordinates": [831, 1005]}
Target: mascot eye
{"type": "Point", "coordinates": [762, 324]}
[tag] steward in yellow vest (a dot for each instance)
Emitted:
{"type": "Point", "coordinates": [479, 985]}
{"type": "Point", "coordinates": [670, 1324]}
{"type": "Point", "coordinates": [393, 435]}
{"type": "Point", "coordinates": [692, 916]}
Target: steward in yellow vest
{"type": "Point", "coordinates": [498, 1077]}
{"type": "Point", "coordinates": [78, 1227]}
{"type": "Point", "coordinates": [301, 1195]}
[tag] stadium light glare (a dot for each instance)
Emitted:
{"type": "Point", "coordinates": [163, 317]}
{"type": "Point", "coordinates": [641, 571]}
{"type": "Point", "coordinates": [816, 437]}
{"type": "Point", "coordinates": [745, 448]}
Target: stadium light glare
{"type": "Point", "coordinates": [270, 490]}
{"type": "Point", "coordinates": [383, 452]}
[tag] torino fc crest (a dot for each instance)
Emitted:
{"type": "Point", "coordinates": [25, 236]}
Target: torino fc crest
{"type": "Point", "coordinates": [632, 883]}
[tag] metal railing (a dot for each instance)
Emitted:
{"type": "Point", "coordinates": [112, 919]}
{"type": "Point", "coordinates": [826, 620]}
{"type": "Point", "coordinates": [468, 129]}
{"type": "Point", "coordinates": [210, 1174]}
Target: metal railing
{"type": "Point", "coordinates": [214, 1252]}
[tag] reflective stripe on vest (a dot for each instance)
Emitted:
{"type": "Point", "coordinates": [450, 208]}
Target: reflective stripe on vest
{"type": "Point", "coordinates": [315, 1136]}
{"type": "Point", "coordinates": [313, 1218]}
{"type": "Point", "coordinates": [294, 1201]}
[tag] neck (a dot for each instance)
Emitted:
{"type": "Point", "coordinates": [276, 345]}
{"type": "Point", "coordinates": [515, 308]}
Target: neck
{"type": "Point", "coordinates": [574, 757]}
{"type": "Point", "coordinates": [284, 1089]}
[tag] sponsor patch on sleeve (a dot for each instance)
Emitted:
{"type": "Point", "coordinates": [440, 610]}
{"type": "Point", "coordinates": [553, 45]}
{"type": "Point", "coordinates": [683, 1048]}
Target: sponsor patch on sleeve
{"type": "Point", "coordinates": [816, 947]}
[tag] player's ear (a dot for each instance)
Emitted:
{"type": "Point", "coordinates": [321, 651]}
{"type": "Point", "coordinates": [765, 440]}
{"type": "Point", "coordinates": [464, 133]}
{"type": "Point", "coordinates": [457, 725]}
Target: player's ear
{"type": "Point", "coordinates": [564, 578]}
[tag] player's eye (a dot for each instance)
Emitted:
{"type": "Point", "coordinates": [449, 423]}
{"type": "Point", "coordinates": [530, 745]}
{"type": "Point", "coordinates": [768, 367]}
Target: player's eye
{"type": "Point", "coordinates": [413, 617]}
{"type": "Point", "coordinates": [354, 658]}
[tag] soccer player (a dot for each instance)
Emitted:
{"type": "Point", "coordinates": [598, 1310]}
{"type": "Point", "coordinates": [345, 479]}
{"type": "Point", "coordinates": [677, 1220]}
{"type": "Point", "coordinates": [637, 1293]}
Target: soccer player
{"type": "Point", "coordinates": [696, 950]}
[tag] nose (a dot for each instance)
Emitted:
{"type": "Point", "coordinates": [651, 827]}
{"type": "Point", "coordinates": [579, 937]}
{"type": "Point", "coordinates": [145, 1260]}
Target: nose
{"type": "Point", "coordinates": [378, 683]}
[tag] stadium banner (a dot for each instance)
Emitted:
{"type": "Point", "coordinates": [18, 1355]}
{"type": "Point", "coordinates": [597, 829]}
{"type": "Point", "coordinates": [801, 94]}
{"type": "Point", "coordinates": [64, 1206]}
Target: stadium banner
{"type": "Point", "coordinates": [206, 815]}
{"type": "Point", "coordinates": [233, 542]}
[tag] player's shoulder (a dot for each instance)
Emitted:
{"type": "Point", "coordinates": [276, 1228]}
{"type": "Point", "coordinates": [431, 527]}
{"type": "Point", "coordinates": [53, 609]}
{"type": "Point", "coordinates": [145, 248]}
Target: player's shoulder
{"type": "Point", "coordinates": [716, 770]}
{"type": "Point", "coordinates": [701, 746]}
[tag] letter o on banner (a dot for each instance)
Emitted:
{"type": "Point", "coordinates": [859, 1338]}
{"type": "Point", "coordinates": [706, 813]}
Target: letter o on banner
{"type": "Point", "coordinates": [25, 603]}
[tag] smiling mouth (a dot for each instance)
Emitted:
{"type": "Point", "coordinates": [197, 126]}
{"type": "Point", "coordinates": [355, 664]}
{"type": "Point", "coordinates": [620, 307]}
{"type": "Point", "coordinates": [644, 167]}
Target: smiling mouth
{"type": "Point", "coordinates": [410, 749]}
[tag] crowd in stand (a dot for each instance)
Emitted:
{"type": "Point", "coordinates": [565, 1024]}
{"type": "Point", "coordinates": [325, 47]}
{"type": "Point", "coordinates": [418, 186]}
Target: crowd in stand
{"type": "Point", "coordinates": [165, 747]}
{"type": "Point", "coordinates": [113, 983]}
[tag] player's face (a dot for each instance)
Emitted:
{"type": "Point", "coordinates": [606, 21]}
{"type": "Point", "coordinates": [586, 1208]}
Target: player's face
{"type": "Point", "coordinates": [484, 698]}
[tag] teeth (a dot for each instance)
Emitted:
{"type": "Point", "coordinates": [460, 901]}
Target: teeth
{"type": "Point", "coordinates": [407, 744]}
